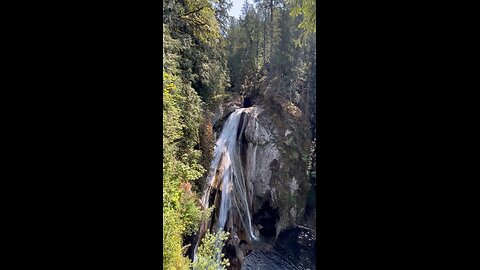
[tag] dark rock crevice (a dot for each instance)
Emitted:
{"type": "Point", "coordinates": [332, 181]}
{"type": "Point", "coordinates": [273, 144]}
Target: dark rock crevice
{"type": "Point", "coordinates": [247, 102]}
{"type": "Point", "coordinates": [267, 217]}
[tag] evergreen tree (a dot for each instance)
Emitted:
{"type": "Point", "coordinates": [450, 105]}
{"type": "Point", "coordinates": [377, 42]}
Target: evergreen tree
{"type": "Point", "coordinates": [194, 68]}
{"type": "Point", "coordinates": [306, 8]}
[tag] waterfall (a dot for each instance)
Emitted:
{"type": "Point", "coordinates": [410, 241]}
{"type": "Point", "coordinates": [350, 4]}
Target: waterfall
{"type": "Point", "coordinates": [227, 173]}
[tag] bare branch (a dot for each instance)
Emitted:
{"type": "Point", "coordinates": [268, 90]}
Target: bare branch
{"type": "Point", "coordinates": [193, 11]}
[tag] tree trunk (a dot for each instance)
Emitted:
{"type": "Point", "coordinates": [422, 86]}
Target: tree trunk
{"type": "Point", "coordinates": [256, 50]}
{"type": "Point", "coordinates": [271, 28]}
{"type": "Point", "coordinates": [264, 39]}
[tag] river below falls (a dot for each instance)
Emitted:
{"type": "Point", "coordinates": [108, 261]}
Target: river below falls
{"type": "Point", "coordinates": [295, 249]}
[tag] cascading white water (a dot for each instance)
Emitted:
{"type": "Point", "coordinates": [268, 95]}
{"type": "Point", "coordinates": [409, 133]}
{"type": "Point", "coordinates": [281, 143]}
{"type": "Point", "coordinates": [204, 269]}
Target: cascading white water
{"type": "Point", "coordinates": [227, 161]}
{"type": "Point", "coordinates": [227, 168]}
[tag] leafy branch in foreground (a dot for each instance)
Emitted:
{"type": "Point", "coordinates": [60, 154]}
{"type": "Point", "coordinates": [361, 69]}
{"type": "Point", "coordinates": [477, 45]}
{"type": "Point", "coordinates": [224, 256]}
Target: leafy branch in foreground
{"type": "Point", "coordinates": [209, 256]}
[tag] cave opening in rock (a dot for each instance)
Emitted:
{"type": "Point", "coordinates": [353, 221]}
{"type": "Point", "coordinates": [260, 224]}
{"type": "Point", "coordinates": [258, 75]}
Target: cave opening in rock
{"type": "Point", "coordinates": [247, 102]}
{"type": "Point", "coordinates": [267, 218]}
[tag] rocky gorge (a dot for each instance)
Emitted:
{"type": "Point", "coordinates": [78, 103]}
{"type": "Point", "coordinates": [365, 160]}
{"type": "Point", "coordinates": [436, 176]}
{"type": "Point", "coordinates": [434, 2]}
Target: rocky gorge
{"type": "Point", "coordinates": [258, 181]}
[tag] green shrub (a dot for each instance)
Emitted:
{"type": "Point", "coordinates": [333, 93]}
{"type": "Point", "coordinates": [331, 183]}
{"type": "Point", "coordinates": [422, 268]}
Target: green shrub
{"type": "Point", "coordinates": [209, 256]}
{"type": "Point", "coordinates": [181, 214]}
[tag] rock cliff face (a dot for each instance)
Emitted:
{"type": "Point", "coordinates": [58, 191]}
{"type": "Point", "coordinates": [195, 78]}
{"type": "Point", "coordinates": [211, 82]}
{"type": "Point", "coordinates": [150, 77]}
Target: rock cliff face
{"type": "Point", "coordinates": [273, 146]}
{"type": "Point", "coordinates": [280, 182]}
